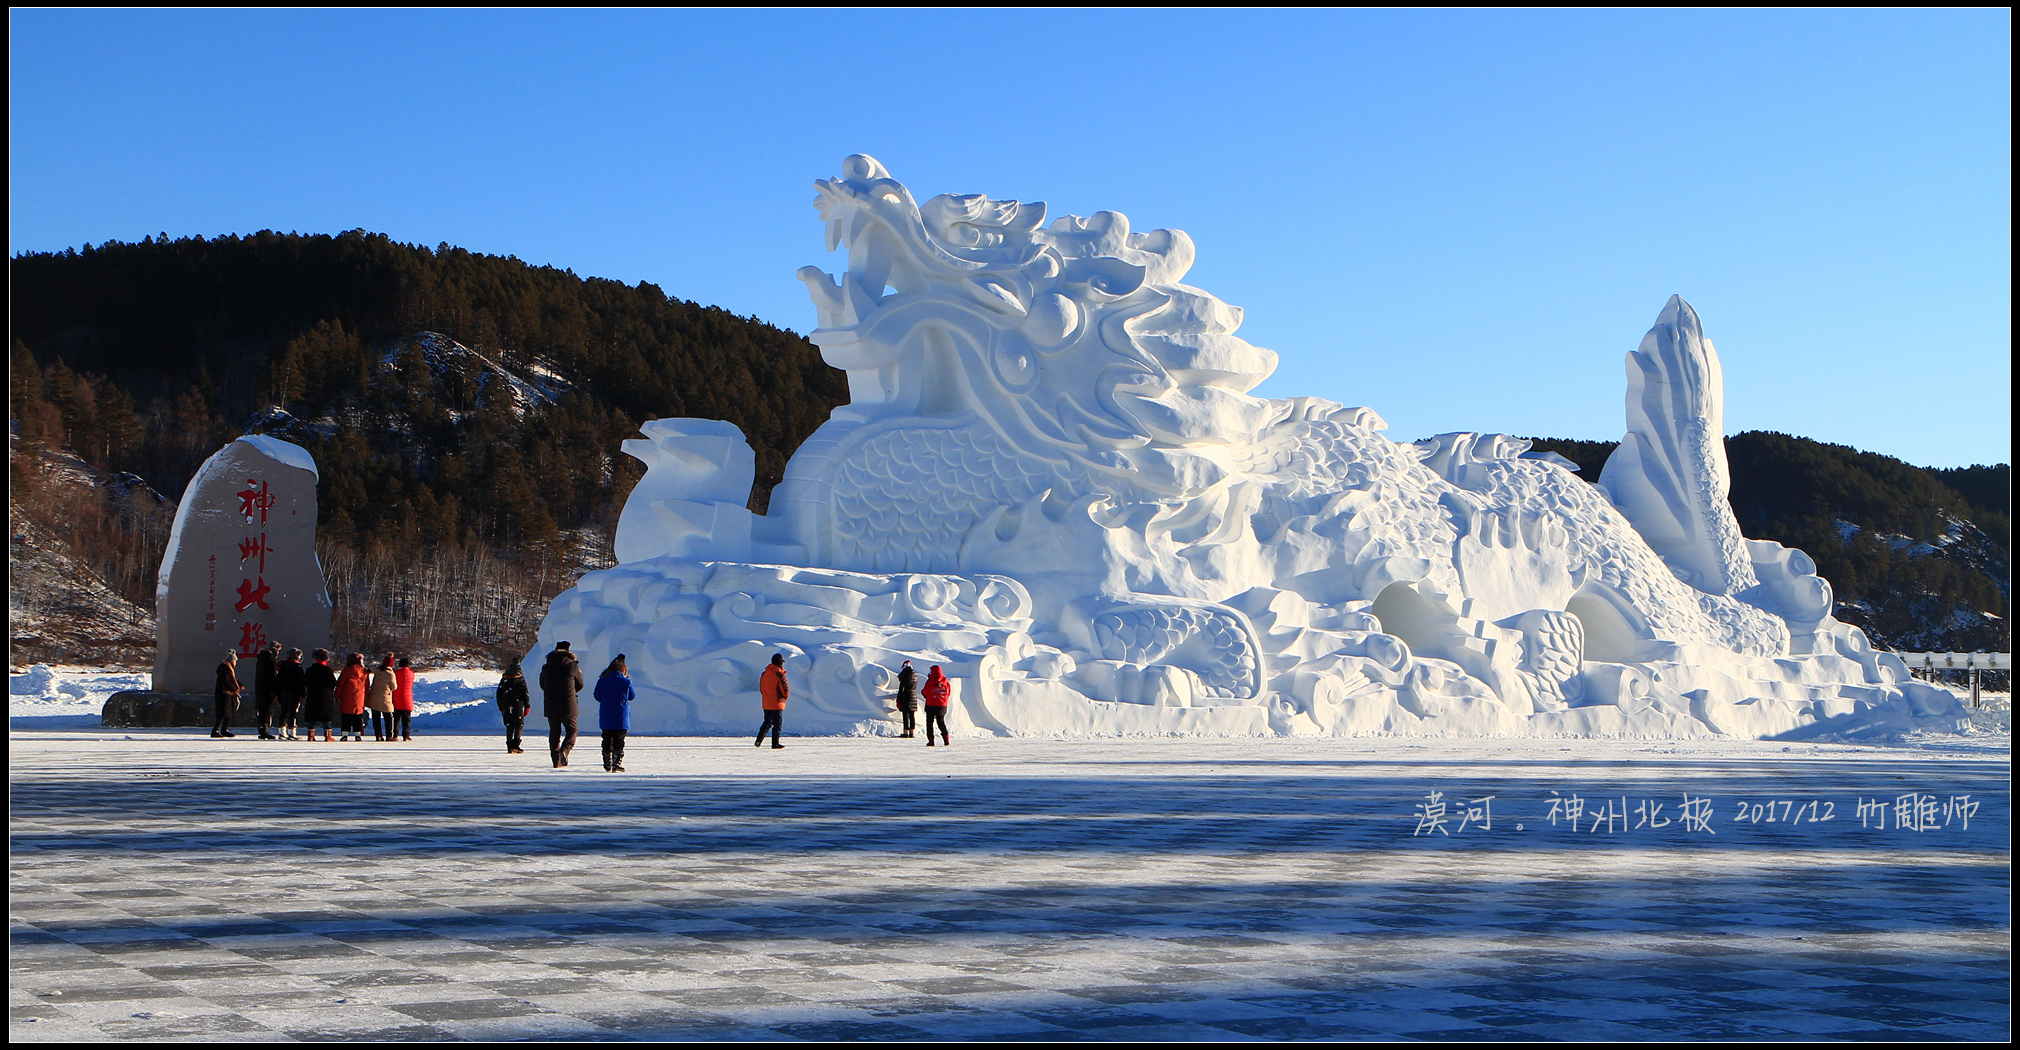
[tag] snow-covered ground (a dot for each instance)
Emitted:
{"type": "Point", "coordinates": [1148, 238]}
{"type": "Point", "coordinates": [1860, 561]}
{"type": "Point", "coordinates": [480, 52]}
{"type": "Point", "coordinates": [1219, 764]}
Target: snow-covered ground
{"type": "Point", "coordinates": [460, 701]}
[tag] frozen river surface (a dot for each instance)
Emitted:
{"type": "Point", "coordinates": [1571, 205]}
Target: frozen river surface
{"type": "Point", "coordinates": [165, 885]}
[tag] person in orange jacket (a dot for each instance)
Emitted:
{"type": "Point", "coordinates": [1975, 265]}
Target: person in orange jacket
{"type": "Point", "coordinates": [773, 689]}
{"type": "Point", "coordinates": [351, 687]}
{"type": "Point", "coordinates": [935, 692]}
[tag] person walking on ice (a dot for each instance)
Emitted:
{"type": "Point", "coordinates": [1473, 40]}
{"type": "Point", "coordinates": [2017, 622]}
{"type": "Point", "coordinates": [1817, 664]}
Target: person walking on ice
{"type": "Point", "coordinates": [514, 702]}
{"type": "Point", "coordinates": [935, 692]}
{"type": "Point", "coordinates": [613, 712]}
{"type": "Point", "coordinates": [560, 680]}
{"type": "Point", "coordinates": [772, 689]}
{"type": "Point", "coordinates": [908, 698]}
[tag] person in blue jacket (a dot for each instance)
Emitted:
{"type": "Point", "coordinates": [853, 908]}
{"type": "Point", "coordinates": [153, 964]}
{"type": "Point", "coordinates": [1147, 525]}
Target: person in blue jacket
{"type": "Point", "coordinates": [613, 701]}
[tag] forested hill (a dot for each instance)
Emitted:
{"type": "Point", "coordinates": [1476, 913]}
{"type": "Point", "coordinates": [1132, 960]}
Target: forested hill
{"type": "Point", "coordinates": [200, 335]}
{"type": "Point", "coordinates": [466, 410]}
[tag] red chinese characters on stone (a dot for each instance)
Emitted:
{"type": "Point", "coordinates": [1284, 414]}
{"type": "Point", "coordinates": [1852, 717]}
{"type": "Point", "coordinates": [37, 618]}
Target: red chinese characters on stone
{"type": "Point", "coordinates": [250, 595]}
{"type": "Point", "coordinates": [254, 548]}
{"type": "Point", "coordinates": [255, 499]}
{"type": "Point", "coordinates": [252, 638]}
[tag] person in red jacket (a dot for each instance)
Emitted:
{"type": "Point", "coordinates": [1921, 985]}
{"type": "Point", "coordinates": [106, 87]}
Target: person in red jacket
{"type": "Point", "coordinates": [351, 698]}
{"type": "Point", "coordinates": [403, 699]}
{"type": "Point", "coordinates": [773, 690]}
{"type": "Point", "coordinates": [934, 693]}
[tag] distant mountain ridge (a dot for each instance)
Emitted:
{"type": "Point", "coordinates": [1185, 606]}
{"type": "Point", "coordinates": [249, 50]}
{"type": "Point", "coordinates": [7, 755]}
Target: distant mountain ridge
{"type": "Point", "coordinates": [305, 321]}
{"type": "Point", "coordinates": [466, 410]}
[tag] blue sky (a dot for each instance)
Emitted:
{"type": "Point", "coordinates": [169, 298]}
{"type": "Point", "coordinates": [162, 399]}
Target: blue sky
{"type": "Point", "coordinates": [1461, 219]}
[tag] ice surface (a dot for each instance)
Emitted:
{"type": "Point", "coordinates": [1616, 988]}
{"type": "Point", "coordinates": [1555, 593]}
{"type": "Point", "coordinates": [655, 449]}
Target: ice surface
{"type": "Point", "coordinates": [1001, 889]}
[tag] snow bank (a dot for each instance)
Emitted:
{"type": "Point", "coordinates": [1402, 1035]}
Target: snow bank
{"type": "Point", "coordinates": [38, 680]}
{"type": "Point", "coordinates": [456, 700]}
{"type": "Point", "coordinates": [462, 702]}
{"type": "Point", "coordinates": [45, 697]}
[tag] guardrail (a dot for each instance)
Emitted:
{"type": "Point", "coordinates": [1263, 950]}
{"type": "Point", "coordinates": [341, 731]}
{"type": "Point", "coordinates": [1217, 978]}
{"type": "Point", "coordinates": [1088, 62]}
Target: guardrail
{"type": "Point", "coordinates": [1959, 661]}
{"type": "Point", "coordinates": [1973, 664]}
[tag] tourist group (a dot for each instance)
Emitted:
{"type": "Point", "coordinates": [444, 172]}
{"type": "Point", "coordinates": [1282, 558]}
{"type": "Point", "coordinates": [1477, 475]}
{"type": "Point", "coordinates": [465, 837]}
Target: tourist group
{"type": "Point", "coordinates": [286, 694]}
{"type": "Point", "coordinates": [561, 681]}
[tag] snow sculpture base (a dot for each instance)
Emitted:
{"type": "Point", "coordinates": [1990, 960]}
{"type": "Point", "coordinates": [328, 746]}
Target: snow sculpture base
{"type": "Point", "coordinates": [1052, 482]}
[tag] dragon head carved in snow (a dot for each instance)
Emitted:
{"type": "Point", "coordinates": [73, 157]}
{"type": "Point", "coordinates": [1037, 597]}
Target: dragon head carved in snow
{"type": "Point", "coordinates": [1074, 340]}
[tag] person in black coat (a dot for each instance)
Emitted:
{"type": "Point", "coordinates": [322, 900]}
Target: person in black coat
{"type": "Point", "coordinates": [560, 680]}
{"type": "Point", "coordinates": [225, 695]}
{"type": "Point", "coordinates": [513, 703]}
{"type": "Point", "coordinates": [908, 696]}
{"type": "Point", "coordinates": [263, 687]}
{"type": "Point", "coordinates": [319, 696]}
{"type": "Point", "coordinates": [287, 694]}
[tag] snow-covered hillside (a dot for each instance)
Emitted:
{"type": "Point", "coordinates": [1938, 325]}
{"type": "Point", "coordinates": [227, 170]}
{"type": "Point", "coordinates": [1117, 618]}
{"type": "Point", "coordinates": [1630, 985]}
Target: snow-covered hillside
{"type": "Point", "coordinates": [59, 605]}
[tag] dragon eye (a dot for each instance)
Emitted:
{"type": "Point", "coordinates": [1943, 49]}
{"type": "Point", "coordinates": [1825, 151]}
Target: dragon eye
{"type": "Point", "coordinates": [1015, 368]}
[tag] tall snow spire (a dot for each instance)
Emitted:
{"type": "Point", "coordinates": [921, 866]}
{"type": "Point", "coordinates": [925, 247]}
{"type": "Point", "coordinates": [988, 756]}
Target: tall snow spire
{"type": "Point", "coordinates": [1669, 476]}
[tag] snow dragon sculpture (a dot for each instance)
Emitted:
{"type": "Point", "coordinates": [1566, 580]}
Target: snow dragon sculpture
{"type": "Point", "coordinates": [1052, 480]}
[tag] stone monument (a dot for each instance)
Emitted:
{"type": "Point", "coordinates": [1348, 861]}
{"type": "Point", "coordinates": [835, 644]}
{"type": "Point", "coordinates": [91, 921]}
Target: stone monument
{"type": "Point", "coordinates": [1052, 481]}
{"type": "Point", "coordinates": [240, 570]}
